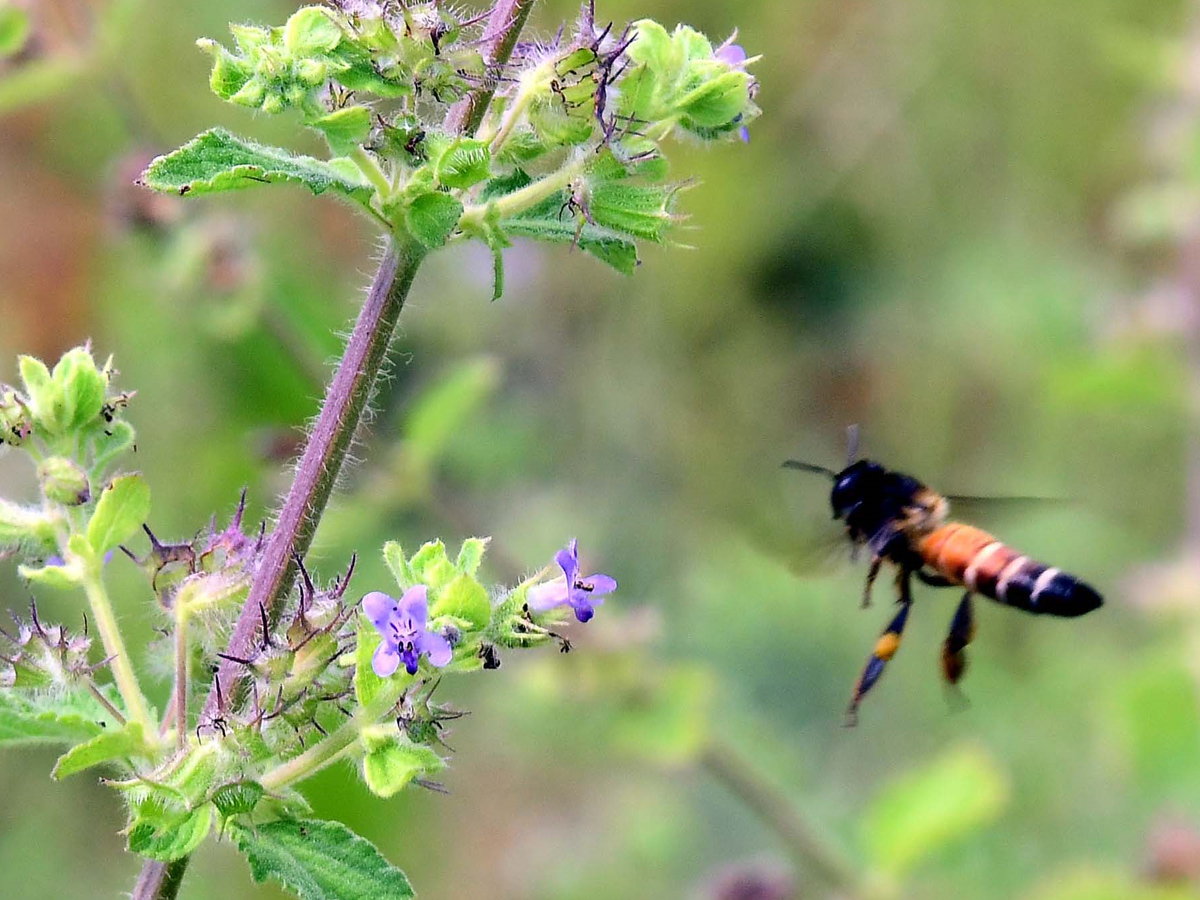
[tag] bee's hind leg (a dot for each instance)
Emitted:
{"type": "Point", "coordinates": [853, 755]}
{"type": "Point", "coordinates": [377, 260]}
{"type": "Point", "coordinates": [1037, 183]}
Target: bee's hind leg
{"type": "Point", "coordinates": [954, 648]}
{"type": "Point", "coordinates": [885, 649]}
{"type": "Point", "coordinates": [933, 579]}
{"type": "Point", "coordinates": [872, 574]}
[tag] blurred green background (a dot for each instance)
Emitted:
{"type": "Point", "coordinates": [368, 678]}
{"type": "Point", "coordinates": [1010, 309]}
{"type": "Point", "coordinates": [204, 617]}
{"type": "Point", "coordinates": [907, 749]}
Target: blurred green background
{"type": "Point", "coordinates": [970, 227]}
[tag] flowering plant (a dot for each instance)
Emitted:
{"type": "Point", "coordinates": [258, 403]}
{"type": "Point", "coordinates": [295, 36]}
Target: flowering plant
{"type": "Point", "coordinates": [442, 128]}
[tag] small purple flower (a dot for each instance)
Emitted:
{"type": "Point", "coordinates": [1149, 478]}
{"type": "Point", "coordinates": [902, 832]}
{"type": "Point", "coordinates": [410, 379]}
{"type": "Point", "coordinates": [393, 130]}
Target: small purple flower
{"type": "Point", "coordinates": [734, 55]}
{"type": "Point", "coordinates": [405, 638]}
{"type": "Point", "coordinates": [582, 594]}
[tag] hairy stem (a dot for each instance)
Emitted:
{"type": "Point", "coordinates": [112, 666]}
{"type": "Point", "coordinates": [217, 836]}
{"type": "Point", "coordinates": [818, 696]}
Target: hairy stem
{"type": "Point", "coordinates": [159, 880]}
{"type": "Point", "coordinates": [180, 694]}
{"type": "Point", "coordinates": [114, 646]}
{"type": "Point", "coordinates": [500, 38]}
{"type": "Point", "coordinates": [812, 850]}
{"type": "Point", "coordinates": [345, 402]}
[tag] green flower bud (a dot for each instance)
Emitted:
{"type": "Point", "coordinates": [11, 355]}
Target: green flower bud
{"type": "Point", "coordinates": [311, 72]}
{"type": "Point", "coordinates": [63, 481]}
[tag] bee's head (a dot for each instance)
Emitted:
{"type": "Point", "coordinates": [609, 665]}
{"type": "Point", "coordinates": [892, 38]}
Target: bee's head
{"type": "Point", "coordinates": [853, 485]}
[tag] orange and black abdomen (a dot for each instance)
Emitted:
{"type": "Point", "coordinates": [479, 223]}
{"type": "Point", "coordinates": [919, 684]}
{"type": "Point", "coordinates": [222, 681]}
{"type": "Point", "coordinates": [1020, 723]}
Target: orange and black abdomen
{"type": "Point", "coordinates": [973, 558]}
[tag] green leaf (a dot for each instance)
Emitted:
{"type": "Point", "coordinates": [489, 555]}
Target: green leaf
{"type": "Point", "coordinates": [219, 161]}
{"type": "Point", "coordinates": [319, 860]}
{"type": "Point", "coordinates": [38, 80]}
{"type": "Point", "coordinates": [123, 508]}
{"type": "Point", "coordinates": [606, 246]}
{"type": "Point", "coordinates": [431, 566]}
{"type": "Point", "coordinates": [465, 599]}
{"type": "Point", "coordinates": [110, 445]}
{"type": "Point", "coordinates": [26, 526]}
{"type": "Point", "coordinates": [40, 719]}
{"type": "Point", "coordinates": [466, 162]}
{"type": "Point", "coordinates": [930, 808]}
{"type": "Point", "coordinates": [470, 555]}
{"type": "Point", "coordinates": [366, 683]}
{"type": "Point", "coordinates": [391, 761]}
{"type": "Point", "coordinates": [170, 837]}
{"type": "Point", "coordinates": [431, 217]}
{"type": "Point", "coordinates": [443, 408]}
{"type": "Point", "coordinates": [311, 31]}
{"type": "Point", "coordinates": [237, 798]}
{"type": "Point", "coordinates": [14, 29]}
{"type": "Point", "coordinates": [393, 556]}
{"type": "Point", "coordinates": [105, 747]}
{"type": "Point", "coordinates": [345, 128]}
{"type": "Point", "coordinates": [643, 211]}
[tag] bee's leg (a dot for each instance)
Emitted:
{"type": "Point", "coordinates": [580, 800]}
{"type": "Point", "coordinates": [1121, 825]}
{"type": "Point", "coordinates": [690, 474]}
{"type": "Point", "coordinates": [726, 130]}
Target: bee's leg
{"type": "Point", "coordinates": [885, 649]}
{"type": "Point", "coordinates": [904, 585]}
{"type": "Point", "coordinates": [962, 631]}
{"type": "Point", "coordinates": [872, 574]}
{"type": "Point", "coordinates": [933, 579]}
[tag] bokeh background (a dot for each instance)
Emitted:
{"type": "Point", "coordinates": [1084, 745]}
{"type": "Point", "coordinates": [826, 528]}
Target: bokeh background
{"type": "Point", "coordinates": [973, 228]}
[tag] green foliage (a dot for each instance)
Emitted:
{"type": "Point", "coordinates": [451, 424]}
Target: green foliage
{"type": "Point", "coordinates": [218, 161]}
{"type": "Point", "coordinates": [103, 748]}
{"type": "Point", "coordinates": [237, 798]}
{"type": "Point", "coordinates": [466, 601]}
{"type": "Point", "coordinates": [24, 526]}
{"type": "Point", "coordinates": [167, 835]}
{"type": "Point", "coordinates": [367, 684]}
{"type": "Point", "coordinates": [50, 719]}
{"type": "Point", "coordinates": [440, 411]}
{"type": "Point", "coordinates": [318, 860]}
{"type": "Point", "coordinates": [391, 762]}
{"type": "Point", "coordinates": [14, 29]}
{"type": "Point", "coordinates": [1102, 885]}
{"type": "Point", "coordinates": [670, 723]}
{"type": "Point", "coordinates": [1160, 718]}
{"type": "Point", "coordinates": [928, 809]}
{"type": "Point", "coordinates": [124, 506]}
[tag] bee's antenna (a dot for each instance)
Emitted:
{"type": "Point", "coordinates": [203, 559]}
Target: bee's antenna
{"type": "Point", "coordinates": [809, 467]}
{"type": "Point", "coordinates": [851, 444]}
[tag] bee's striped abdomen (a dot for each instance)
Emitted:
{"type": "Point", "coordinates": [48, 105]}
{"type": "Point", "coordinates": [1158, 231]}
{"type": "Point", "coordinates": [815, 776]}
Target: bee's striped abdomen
{"type": "Point", "coordinates": [971, 557]}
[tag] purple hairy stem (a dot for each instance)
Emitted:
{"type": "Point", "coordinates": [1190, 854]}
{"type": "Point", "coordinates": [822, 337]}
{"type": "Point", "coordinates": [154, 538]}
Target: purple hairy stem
{"type": "Point", "coordinates": [341, 412]}
{"type": "Point", "coordinates": [500, 35]}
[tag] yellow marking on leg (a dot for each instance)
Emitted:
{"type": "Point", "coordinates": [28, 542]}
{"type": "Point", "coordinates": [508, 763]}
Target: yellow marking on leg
{"type": "Point", "coordinates": [887, 645]}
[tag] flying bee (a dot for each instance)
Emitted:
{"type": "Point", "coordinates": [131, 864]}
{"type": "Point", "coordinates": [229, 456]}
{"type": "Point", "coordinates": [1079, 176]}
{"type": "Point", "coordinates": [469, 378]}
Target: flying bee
{"type": "Point", "coordinates": [905, 523]}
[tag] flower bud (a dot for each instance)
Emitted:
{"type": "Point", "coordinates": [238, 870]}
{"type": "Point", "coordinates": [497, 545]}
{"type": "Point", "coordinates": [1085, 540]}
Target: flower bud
{"type": "Point", "coordinates": [14, 420]}
{"type": "Point", "coordinates": [63, 481]}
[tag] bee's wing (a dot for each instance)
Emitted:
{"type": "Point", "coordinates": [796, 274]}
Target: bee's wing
{"type": "Point", "coordinates": [976, 506]}
{"type": "Point", "coordinates": [820, 553]}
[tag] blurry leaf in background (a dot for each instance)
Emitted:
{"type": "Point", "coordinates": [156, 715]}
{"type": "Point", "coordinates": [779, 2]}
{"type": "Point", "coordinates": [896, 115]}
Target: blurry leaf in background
{"type": "Point", "coordinates": [929, 809]}
{"type": "Point", "coordinates": [1160, 718]}
{"type": "Point", "coordinates": [14, 29]}
{"type": "Point", "coordinates": [668, 722]}
{"type": "Point", "coordinates": [1096, 885]}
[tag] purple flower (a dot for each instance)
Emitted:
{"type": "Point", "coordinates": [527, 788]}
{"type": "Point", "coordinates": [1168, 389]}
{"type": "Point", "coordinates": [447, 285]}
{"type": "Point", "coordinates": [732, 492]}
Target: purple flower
{"type": "Point", "coordinates": [405, 637]}
{"type": "Point", "coordinates": [582, 594]}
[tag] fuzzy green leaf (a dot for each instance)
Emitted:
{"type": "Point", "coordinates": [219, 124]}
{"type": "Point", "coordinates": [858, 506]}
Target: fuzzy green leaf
{"type": "Point", "coordinates": [220, 161]}
{"type": "Point", "coordinates": [123, 508]}
{"type": "Point", "coordinates": [105, 747]}
{"type": "Point", "coordinates": [431, 217]}
{"type": "Point", "coordinates": [170, 837]}
{"type": "Point", "coordinates": [466, 162]}
{"type": "Point", "coordinates": [470, 555]}
{"type": "Point", "coordinates": [465, 599]}
{"type": "Point", "coordinates": [237, 798]}
{"type": "Point", "coordinates": [345, 128]}
{"type": "Point", "coordinates": [391, 761]}
{"type": "Point", "coordinates": [318, 860]}
{"type": "Point", "coordinates": [606, 246]}
{"type": "Point", "coordinates": [393, 556]}
{"type": "Point", "coordinates": [37, 719]}
{"type": "Point", "coordinates": [930, 808]}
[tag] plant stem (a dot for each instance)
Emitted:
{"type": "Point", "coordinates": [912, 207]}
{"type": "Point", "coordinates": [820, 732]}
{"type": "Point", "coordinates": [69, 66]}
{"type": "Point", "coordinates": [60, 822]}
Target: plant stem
{"type": "Point", "coordinates": [525, 198]}
{"type": "Point", "coordinates": [811, 849]}
{"type": "Point", "coordinates": [159, 880]}
{"type": "Point", "coordinates": [180, 694]}
{"type": "Point", "coordinates": [329, 749]}
{"type": "Point", "coordinates": [114, 646]}
{"type": "Point", "coordinates": [500, 38]}
{"type": "Point", "coordinates": [345, 402]}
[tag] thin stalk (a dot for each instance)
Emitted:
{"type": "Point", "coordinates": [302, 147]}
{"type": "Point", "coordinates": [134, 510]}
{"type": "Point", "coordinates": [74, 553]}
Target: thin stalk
{"type": "Point", "coordinates": [159, 880]}
{"type": "Point", "coordinates": [809, 847]}
{"type": "Point", "coordinates": [104, 701]}
{"type": "Point", "coordinates": [180, 694]}
{"type": "Point", "coordinates": [345, 402]}
{"type": "Point", "coordinates": [500, 35]}
{"type": "Point", "coordinates": [525, 198]}
{"type": "Point", "coordinates": [114, 646]}
{"type": "Point", "coordinates": [331, 748]}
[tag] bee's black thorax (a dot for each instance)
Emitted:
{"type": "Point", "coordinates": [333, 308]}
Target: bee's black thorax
{"type": "Point", "coordinates": [874, 502]}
